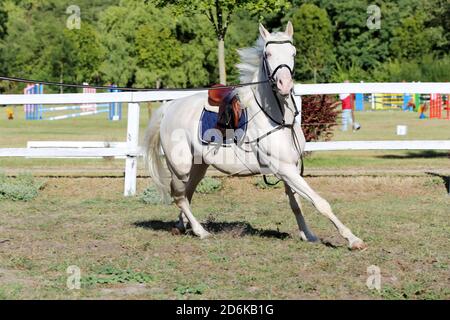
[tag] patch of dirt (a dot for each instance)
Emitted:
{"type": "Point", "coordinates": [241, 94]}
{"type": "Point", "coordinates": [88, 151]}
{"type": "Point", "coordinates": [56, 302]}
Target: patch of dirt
{"type": "Point", "coordinates": [14, 277]}
{"type": "Point", "coordinates": [130, 290]}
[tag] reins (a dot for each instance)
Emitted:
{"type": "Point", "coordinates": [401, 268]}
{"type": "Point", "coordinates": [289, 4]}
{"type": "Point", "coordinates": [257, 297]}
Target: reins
{"type": "Point", "coordinates": [279, 125]}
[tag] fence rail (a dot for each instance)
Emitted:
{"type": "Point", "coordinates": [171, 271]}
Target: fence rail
{"type": "Point", "coordinates": [130, 150]}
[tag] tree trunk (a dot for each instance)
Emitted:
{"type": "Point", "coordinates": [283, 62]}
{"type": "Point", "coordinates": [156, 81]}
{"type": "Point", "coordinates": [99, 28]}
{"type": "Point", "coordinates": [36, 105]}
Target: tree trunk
{"type": "Point", "coordinates": [221, 57]}
{"type": "Point", "coordinates": [61, 78]}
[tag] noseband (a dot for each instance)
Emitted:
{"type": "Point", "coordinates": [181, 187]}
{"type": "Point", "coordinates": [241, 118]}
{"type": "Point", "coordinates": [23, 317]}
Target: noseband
{"type": "Point", "coordinates": [282, 124]}
{"type": "Point", "coordinates": [271, 80]}
{"type": "Point", "coordinates": [271, 75]}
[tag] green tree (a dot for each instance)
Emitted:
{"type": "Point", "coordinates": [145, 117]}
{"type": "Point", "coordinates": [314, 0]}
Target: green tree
{"type": "Point", "coordinates": [88, 55]}
{"type": "Point", "coordinates": [220, 13]}
{"type": "Point", "coordinates": [3, 19]}
{"type": "Point", "coordinates": [352, 37]}
{"type": "Point", "coordinates": [38, 44]}
{"type": "Point", "coordinates": [412, 39]}
{"type": "Point", "coordinates": [148, 47]}
{"type": "Point", "coordinates": [313, 39]}
{"type": "Point", "coordinates": [3, 30]}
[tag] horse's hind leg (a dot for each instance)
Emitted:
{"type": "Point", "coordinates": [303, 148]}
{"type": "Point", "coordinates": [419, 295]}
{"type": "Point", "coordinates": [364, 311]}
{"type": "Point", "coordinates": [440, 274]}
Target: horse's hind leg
{"type": "Point", "coordinates": [178, 188]}
{"type": "Point", "coordinates": [294, 202]}
{"type": "Point", "coordinates": [197, 173]}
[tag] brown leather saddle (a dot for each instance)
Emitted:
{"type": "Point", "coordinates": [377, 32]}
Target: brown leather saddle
{"type": "Point", "coordinates": [230, 110]}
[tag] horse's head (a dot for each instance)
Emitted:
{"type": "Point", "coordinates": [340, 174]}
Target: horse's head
{"type": "Point", "coordinates": [278, 58]}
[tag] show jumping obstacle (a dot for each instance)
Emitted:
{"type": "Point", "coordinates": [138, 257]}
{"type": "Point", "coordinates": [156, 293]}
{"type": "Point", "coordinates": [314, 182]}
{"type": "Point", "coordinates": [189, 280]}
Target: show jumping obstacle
{"type": "Point", "coordinates": [33, 111]}
{"type": "Point", "coordinates": [437, 104]}
{"type": "Point", "coordinates": [37, 112]}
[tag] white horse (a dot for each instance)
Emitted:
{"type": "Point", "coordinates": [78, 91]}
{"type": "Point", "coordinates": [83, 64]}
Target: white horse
{"type": "Point", "coordinates": [272, 144]}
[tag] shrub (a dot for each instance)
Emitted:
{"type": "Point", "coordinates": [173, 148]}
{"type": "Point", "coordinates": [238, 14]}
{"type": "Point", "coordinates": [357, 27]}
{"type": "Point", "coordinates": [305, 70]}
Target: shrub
{"type": "Point", "coordinates": [151, 196]}
{"type": "Point", "coordinates": [113, 275]}
{"type": "Point", "coordinates": [261, 184]}
{"type": "Point", "coordinates": [21, 188]}
{"type": "Point", "coordinates": [209, 185]}
{"type": "Point", "coordinates": [318, 117]}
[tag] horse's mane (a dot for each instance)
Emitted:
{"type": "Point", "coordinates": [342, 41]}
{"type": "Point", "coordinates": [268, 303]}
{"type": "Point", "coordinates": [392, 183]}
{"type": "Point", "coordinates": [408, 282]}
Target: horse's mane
{"type": "Point", "coordinates": [250, 58]}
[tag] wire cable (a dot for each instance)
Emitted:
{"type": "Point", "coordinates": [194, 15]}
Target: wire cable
{"type": "Point", "coordinates": [73, 85]}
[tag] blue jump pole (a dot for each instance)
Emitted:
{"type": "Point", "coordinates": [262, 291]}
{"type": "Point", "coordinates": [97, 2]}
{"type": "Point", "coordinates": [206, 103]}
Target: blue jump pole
{"type": "Point", "coordinates": [406, 98]}
{"type": "Point", "coordinates": [39, 107]}
{"type": "Point", "coordinates": [115, 108]}
{"type": "Point", "coordinates": [359, 102]}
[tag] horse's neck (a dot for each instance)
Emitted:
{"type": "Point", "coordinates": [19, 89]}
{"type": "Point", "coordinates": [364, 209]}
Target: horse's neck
{"type": "Point", "coordinates": [268, 101]}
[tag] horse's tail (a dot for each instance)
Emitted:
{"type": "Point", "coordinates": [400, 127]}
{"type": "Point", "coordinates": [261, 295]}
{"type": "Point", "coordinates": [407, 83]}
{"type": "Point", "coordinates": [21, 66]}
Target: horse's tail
{"type": "Point", "coordinates": [154, 157]}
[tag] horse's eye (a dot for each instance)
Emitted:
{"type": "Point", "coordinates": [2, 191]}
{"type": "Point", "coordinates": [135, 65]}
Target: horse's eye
{"type": "Point", "coordinates": [268, 54]}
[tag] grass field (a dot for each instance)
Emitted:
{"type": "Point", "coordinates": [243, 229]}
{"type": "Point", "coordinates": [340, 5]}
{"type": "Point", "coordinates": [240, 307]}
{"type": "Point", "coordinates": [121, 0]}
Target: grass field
{"type": "Point", "coordinates": [125, 249]}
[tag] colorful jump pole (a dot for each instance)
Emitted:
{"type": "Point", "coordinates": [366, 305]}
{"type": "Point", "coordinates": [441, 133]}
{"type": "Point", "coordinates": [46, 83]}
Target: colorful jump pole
{"type": "Point", "coordinates": [359, 102]}
{"type": "Point", "coordinates": [115, 108]}
{"type": "Point", "coordinates": [447, 106]}
{"type": "Point", "coordinates": [33, 111]}
{"type": "Point", "coordinates": [406, 102]}
{"type": "Point", "coordinates": [76, 115]}
{"type": "Point", "coordinates": [435, 106]}
{"type": "Point", "coordinates": [89, 106]}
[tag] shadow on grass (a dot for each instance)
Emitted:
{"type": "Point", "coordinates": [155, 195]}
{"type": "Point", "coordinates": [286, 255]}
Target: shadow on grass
{"type": "Point", "coordinates": [445, 179]}
{"type": "Point", "coordinates": [416, 155]}
{"type": "Point", "coordinates": [235, 228]}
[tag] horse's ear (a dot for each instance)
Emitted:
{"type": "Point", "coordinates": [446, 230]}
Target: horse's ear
{"type": "Point", "coordinates": [289, 29]}
{"type": "Point", "coordinates": [263, 31]}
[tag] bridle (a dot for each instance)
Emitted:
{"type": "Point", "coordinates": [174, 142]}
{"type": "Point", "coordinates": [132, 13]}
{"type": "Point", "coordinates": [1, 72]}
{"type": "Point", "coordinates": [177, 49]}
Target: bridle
{"type": "Point", "coordinates": [271, 75]}
{"type": "Point", "coordinates": [279, 125]}
{"type": "Point", "coordinates": [271, 79]}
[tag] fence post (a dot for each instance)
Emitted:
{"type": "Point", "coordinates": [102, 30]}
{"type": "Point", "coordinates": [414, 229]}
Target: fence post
{"type": "Point", "coordinates": [132, 149]}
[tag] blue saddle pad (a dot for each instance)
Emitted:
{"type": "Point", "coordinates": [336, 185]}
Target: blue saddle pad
{"type": "Point", "coordinates": [210, 134]}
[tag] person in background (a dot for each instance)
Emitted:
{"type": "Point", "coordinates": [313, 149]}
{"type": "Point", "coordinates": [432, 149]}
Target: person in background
{"type": "Point", "coordinates": [348, 110]}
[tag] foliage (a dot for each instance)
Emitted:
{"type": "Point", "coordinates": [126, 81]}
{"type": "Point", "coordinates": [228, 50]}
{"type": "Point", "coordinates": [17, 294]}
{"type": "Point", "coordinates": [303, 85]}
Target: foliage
{"type": "Point", "coordinates": [220, 12]}
{"type": "Point", "coordinates": [351, 71]}
{"type": "Point", "coordinates": [197, 290]}
{"type": "Point", "coordinates": [427, 68]}
{"type": "Point", "coordinates": [21, 188]}
{"type": "Point", "coordinates": [165, 43]}
{"type": "Point", "coordinates": [113, 275]}
{"type": "Point", "coordinates": [151, 196]}
{"type": "Point", "coordinates": [209, 185]}
{"type": "Point", "coordinates": [313, 40]}
{"type": "Point", "coordinates": [318, 117]}
{"type": "Point", "coordinates": [412, 40]}
{"type": "Point", "coordinates": [260, 183]}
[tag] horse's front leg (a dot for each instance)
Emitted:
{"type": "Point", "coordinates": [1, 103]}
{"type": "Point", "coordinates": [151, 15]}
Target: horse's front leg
{"type": "Point", "coordinates": [294, 202]}
{"type": "Point", "coordinates": [289, 174]}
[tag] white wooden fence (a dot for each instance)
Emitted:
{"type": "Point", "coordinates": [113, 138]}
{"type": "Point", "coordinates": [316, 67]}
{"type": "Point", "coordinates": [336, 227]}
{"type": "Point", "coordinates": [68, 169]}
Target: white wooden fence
{"type": "Point", "coordinates": [130, 149]}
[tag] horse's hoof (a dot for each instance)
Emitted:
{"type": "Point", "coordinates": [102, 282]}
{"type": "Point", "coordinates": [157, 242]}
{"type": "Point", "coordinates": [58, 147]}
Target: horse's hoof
{"type": "Point", "coordinates": [358, 245]}
{"type": "Point", "coordinates": [311, 238]}
{"type": "Point", "coordinates": [314, 239]}
{"type": "Point", "coordinates": [205, 235]}
{"type": "Point", "coordinates": [176, 231]}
